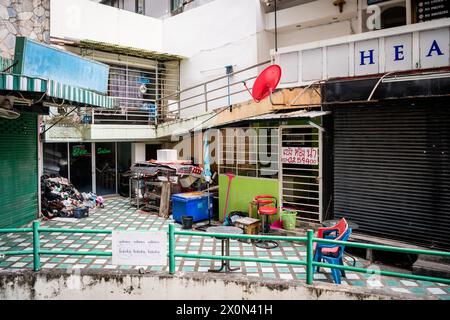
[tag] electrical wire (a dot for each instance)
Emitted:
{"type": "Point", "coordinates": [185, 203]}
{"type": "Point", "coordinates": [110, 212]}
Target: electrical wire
{"type": "Point", "coordinates": [376, 85]}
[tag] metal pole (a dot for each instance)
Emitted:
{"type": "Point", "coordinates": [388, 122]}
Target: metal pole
{"type": "Point", "coordinates": [205, 93]}
{"type": "Point", "coordinates": [309, 256]}
{"type": "Point", "coordinates": [36, 249]}
{"type": "Point", "coordinates": [276, 35]}
{"type": "Point", "coordinates": [156, 91]}
{"type": "Point", "coordinates": [171, 248]}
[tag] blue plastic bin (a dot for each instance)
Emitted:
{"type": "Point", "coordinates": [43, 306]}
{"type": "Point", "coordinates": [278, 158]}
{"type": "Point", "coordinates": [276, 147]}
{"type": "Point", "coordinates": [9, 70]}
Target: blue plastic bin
{"type": "Point", "coordinates": [193, 204]}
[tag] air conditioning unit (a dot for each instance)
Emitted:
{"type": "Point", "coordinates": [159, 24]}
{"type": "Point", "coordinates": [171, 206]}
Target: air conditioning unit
{"type": "Point", "coordinates": [6, 108]}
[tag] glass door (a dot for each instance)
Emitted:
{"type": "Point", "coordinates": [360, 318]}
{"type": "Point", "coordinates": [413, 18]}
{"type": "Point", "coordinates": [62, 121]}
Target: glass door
{"type": "Point", "coordinates": [81, 166]}
{"type": "Point", "coordinates": [105, 167]}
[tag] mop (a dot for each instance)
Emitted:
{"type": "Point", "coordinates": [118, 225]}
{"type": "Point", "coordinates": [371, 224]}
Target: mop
{"type": "Point", "coordinates": [226, 220]}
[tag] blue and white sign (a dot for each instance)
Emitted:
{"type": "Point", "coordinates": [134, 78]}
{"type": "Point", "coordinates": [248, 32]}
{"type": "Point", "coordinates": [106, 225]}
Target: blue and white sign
{"type": "Point", "coordinates": [39, 60]}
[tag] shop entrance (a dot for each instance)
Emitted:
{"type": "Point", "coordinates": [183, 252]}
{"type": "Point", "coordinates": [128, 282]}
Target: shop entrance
{"type": "Point", "coordinates": [100, 167]}
{"type": "Point", "coordinates": [105, 167]}
{"type": "Point", "coordinates": [300, 175]}
{"type": "Point", "coordinates": [81, 165]}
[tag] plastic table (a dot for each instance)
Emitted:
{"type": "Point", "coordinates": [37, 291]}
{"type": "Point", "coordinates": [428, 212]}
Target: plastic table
{"type": "Point", "coordinates": [225, 245]}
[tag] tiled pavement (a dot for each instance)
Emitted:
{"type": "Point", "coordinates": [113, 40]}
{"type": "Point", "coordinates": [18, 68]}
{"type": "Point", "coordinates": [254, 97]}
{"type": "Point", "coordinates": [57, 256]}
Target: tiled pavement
{"type": "Point", "coordinates": [118, 215]}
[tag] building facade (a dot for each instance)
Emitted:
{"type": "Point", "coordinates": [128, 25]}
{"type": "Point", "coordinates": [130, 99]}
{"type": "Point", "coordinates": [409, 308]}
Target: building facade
{"type": "Point", "coordinates": [369, 150]}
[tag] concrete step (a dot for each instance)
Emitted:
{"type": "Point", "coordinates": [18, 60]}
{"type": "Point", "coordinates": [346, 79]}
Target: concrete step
{"type": "Point", "coordinates": [438, 259]}
{"type": "Point", "coordinates": [431, 268]}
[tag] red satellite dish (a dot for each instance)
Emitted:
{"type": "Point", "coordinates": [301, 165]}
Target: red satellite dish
{"type": "Point", "coordinates": [266, 82]}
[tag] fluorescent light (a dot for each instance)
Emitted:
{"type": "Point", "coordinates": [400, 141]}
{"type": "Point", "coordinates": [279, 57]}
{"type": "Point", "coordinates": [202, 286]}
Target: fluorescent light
{"type": "Point", "coordinates": [417, 77]}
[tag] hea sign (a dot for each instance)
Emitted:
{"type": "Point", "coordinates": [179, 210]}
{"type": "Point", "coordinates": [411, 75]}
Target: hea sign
{"type": "Point", "coordinates": [424, 46]}
{"type": "Point", "coordinates": [398, 52]}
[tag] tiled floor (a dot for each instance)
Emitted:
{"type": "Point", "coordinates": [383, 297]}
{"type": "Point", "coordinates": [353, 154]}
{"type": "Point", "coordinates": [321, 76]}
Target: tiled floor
{"type": "Point", "coordinates": [118, 215]}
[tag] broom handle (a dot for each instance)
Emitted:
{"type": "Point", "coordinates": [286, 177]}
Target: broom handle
{"type": "Point", "coordinates": [228, 193]}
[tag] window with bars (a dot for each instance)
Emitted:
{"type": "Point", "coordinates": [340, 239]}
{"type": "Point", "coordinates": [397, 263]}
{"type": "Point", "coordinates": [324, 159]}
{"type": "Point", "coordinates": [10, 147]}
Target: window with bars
{"type": "Point", "coordinates": [251, 152]}
{"type": "Point", "coordinates": [132, 86]}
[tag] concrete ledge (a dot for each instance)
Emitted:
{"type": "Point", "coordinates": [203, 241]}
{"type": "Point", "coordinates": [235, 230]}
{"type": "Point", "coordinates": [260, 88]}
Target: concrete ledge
{"type": "Point", "coordinates": [101, 284]}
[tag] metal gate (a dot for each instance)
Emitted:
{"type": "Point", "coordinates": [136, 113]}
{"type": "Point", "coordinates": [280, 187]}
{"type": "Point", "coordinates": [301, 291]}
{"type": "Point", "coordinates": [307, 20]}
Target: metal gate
{"type": "Point", "coordinates": [392, 171]}
{"type": "Point", "coordinates": [301, 171]}
{"type": "Point", "coordinates": [18, 170]}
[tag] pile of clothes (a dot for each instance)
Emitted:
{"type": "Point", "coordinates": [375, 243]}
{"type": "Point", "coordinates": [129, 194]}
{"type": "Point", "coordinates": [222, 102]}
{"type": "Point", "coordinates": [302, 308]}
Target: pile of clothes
{"type": "Point", "coordinates": [59, 198]}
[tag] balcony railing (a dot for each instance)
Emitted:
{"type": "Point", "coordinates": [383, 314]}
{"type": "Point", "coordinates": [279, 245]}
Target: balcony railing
{"type": "Point", "coordinates": [207, 96]}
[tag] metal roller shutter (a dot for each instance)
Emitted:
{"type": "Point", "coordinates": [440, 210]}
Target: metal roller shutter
{"type": "Point", "coordinates": [392, 171]}
{"type": "Point", "coordinates": [18, 170]}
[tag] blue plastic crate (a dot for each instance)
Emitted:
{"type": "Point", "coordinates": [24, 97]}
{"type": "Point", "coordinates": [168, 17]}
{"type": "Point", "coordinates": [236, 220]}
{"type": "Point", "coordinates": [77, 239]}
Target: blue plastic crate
{"type": "Point", "coordinates": [193, 204]}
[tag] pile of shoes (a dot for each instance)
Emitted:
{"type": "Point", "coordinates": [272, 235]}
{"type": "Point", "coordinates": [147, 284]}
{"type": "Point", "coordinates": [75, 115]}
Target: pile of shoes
{"type": "Point", "coordinates": [59, 198]}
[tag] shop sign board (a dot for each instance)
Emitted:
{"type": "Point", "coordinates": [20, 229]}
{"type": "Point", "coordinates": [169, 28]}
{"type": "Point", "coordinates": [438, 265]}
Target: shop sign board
{"type": "Point", "coordinates": [139, 248]}
{"type": "Point", "coordinates": [300, 155]}
{"type": "Point", "coordinates": [36, 59]}
{"type": "Point", "coordinates": [406, 48]}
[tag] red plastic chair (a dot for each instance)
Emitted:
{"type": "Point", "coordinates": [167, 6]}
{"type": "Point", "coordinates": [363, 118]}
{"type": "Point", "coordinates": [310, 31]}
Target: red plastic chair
{"type": "Point", "coordinates": [334, 232]}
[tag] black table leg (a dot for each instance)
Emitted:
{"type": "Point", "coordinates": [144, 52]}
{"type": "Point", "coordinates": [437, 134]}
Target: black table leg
{"type": "Point", "coordinates": [228, 262]}
{"type": "Point", "coordinates": [223, 262]}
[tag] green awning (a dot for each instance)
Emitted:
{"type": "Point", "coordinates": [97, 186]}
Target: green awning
{"type": "Point", "coordinates": [65, 92]}
{"type": "Point", "coordinates": [55, 90]}
{"type": "Point", "coordinates": [15, 82]}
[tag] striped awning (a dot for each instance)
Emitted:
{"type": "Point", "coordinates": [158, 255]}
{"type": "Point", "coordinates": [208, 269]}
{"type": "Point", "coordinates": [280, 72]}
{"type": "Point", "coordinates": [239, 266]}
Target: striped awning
{"type": "Point", "coordinates": [10, 81]}
{"type": "Point", "coordinates": [65, 92]}
{"type": "Point", "coordinates": [55, 90]}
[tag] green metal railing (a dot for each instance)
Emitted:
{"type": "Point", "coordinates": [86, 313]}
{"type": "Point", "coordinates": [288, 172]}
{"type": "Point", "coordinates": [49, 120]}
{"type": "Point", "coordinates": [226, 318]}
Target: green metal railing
{"type": "Point", "coordinates": [36, 230]}
{"type": "Point", "coordinates": [37, 251]}
{"type": "Point", "coordinates": [309, 263]}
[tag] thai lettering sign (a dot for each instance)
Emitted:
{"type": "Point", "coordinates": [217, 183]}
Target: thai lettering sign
{"type": "Point", "coordinates": [139, 248]}
{"type": "Point", "coordinates": [300, 155]}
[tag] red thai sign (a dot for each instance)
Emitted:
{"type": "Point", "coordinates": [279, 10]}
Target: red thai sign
{"type": "Point", "coordinates": [300, 155]}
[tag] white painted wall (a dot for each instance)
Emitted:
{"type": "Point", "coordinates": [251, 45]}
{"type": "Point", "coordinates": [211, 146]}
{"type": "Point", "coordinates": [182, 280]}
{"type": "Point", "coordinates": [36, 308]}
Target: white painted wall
{"type": "Point", "coordinates": [219, 33]}
{"type": "Point", "coordinates": [137, 152]}
{"type": "Point", "coordinates": [84, 19]}
{"type": "Point", "coordinates": [311, 14]}
{"type": "Point", "coordinates": [323, 32]}
{"type": "Point", "coordinates": [313, 21]}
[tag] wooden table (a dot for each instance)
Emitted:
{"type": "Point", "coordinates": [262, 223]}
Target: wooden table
{"type": "Point", "coordinates": [249, 225]}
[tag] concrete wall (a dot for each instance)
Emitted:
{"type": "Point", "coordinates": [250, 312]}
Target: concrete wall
{"type": "Point", "coordinates": [313, 21]}
{"type": "Point", "coordinates": [29, 18]}
{"type": "Point", "coordinates": [212, 36]}
{"type": "Point", "coordinates": [104, 284]}
{"type": "Point", "coordinates": [80, 19]}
